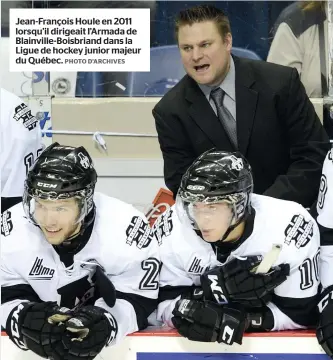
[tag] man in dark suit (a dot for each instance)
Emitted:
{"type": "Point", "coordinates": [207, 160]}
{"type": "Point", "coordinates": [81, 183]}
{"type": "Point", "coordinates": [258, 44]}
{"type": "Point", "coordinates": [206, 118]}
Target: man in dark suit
{"type": "Point", "coordinates": [226, 102]}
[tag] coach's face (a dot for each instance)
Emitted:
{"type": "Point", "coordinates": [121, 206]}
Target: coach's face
{"type": "Point", "coordinates": [205, 55]}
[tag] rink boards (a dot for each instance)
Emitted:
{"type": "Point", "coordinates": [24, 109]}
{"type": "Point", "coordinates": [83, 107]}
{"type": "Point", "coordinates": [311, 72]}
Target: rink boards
{"type": "Point", "coordinates": [164, 344]}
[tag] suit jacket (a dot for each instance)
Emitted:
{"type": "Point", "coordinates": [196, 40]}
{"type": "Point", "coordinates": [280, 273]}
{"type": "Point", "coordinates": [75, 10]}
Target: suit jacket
{"type": "Point", "coordinates": [278, 130]}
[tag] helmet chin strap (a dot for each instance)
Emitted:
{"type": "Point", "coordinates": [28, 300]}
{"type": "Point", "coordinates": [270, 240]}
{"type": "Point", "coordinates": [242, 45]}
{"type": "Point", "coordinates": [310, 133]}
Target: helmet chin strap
{"type": "Point", "coordinates": [85, 222]}
{"type": "Point", "coordinates": [76, 234]}
{"type": "Point", "coordinates": [230, 229]}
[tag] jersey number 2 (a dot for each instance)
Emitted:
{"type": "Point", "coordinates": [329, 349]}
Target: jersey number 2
{"type": "Point", "coordinates": [152, 268]}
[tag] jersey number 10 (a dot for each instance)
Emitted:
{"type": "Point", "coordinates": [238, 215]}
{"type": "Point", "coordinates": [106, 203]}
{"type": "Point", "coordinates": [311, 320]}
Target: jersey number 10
{"type": "Point", "coordinates": [309, 270]}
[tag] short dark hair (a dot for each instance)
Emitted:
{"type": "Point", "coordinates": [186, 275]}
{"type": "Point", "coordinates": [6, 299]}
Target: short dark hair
{"type": "Point", "coordinates": [201, 13]}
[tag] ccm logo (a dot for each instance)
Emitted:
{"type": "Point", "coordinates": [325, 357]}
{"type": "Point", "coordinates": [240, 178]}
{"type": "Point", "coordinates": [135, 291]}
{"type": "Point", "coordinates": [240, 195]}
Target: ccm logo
{"type": "Point", "coordinates": [45, 185]}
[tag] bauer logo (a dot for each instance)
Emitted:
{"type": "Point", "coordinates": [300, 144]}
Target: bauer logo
{"type": "Point", "coordinates": [195, 187]}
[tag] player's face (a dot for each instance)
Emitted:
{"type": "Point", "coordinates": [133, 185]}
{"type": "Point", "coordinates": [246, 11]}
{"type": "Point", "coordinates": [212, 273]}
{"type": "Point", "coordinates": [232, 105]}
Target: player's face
{"type": "Point", "coordinates": [57, 219]}
{"type": "Point", "coordinates": [205, 55]}
{"type": "Point", "coordinates": [213, 220]}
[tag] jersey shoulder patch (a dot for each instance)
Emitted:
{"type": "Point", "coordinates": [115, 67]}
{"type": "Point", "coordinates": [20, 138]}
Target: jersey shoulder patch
{"type": "Point", "coordinates": [6, 223]}
{"type": "Point", "coordinates": [163, 226]}
{"type": "Point", "coordinates": [15, 110]}
{"type": "Point", "coordinates": [138, 231]}
{"type": "Point", "coordinates": [299, 231]}
{"type": "Point", "coordinates": [23, 115]}
{"type": "Point", "coordinates": [118, 217]}
{"type": "Point", "coordinates": [18, 235]}
{"type": "Point", "coordinates": [292, 223]}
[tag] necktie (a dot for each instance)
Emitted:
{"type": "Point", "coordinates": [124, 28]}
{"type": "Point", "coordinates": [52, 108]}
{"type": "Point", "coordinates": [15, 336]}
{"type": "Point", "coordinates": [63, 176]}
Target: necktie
{"type": "Point", "coordinates": [224, 115]}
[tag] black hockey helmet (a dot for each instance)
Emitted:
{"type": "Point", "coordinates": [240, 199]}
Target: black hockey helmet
{"type": "Point", "coordinates": [61, 172]}
{"type": "Point", "coordinates": [218, 176]}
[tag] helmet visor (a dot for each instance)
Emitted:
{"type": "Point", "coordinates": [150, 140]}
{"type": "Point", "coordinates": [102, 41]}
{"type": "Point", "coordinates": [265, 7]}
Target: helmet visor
{"type": "Point", "coordinates": [53, 213]}
{"type": "Point", "coordinates": [213, 216]}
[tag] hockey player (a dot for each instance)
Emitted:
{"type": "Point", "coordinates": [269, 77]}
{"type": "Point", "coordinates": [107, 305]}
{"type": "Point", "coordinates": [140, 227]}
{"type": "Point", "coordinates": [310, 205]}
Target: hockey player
{"type": "Point", "coordinates": [79, 270]}
{"type": "Point", "coordinates": [325, 222]}
{"type": "Point", "coordinates": [234, 261]}
{"type": "Point", "coordinates": [21, 143]}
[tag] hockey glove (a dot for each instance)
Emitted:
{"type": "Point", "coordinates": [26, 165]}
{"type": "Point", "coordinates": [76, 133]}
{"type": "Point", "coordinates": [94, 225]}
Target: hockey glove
{"type": "Point", "coordinates": [325, 328]}
{"type": "Point", "coordinates": [28, 327]}
{"type": "Point", "coordinates": [88, 331]}
{"type": "Point", "coordinates": [194, 293]}
{"type": "Point", "coordinates": [236, 281]}
{"type": "Point", "coordinates": [208, 322]}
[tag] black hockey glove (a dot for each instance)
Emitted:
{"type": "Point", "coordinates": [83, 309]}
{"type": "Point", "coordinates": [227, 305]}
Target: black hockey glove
{"type": "Point", "coordinates": [88, 331]}
{"type": "Point", "coordinates": [237, 282]}
{"type": "Point", "coordinates": [28, 327]}
{"type": "Point", "coordinates": [208, 322]}
{"type": "Point", "coordinates": [194, 293]}
{"type": "Point", "coordinates": [325, 328]}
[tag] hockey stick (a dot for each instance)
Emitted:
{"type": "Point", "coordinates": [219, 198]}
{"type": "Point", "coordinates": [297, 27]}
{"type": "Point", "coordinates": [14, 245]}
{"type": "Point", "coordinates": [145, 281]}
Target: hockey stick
{"type": "Point", "coordinates": [269, 259]}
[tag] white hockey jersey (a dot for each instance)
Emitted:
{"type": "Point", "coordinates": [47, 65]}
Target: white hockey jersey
{"type": "Point", "coordinates": [21, 143]}
{"type": "Point", "coordinates": [185, 256]}
{"type": "Point", "coordinates": [325, 220]}
{"type": "Point", "coordinates": [120, 242]}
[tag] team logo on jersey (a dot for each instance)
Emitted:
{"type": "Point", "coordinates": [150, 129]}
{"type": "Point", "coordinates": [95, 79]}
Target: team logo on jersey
{"type": "Point", "coordinates": [84, 160]}
{"type": "Point", "coordinates": [6, 223]}
{"type": "Point", "coordinates": [163, 226]}
{"type": "Point", "coordinates": [322, 191]}
{"type": "Point", "coordinates": [23, 113]}
{"type": "Point", "coordinates": [195, 267]}
{"type": "Point", "coordinates": [299, 230]}
{"type": "Point", "coordinates": [138, 231]}
{"type": "Point", "coordinates": [39, 271]}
